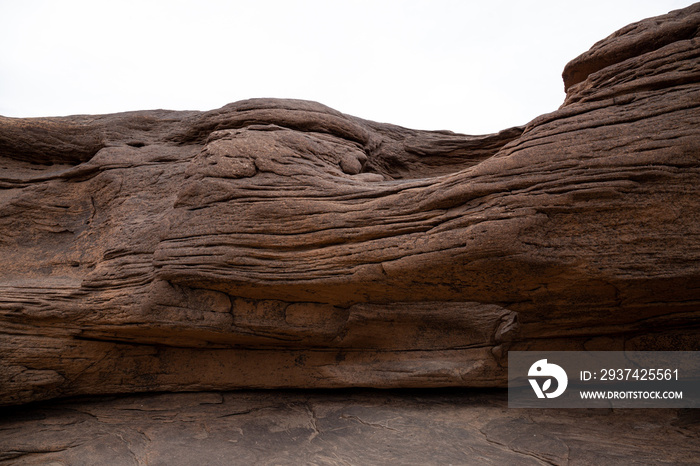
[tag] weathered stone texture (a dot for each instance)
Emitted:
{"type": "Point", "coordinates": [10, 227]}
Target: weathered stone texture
{"type": "Point", "coordinates": [340, 428]}
{"type": "Point", "coordinates": [280, 243]}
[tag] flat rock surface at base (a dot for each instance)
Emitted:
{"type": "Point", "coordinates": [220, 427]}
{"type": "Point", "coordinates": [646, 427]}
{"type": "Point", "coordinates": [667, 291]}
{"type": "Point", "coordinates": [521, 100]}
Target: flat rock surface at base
{"type": "Point", "coordinates": [339, 427]}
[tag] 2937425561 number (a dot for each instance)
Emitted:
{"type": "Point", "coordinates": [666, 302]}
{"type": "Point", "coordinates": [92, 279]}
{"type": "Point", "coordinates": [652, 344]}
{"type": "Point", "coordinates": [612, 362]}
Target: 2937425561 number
{"type": "Point", "coordinates": [638, 374]}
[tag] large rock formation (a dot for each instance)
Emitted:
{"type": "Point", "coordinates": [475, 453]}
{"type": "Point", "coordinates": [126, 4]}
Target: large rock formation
{"type": "Point", "coordinates": [280, 243]}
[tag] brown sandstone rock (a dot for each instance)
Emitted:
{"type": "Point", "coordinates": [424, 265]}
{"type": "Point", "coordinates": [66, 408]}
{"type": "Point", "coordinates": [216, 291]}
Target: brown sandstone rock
{"type": "Point", "coordinates": [339, 428]}
{"type": "Point", "coordinates": [280, 243]}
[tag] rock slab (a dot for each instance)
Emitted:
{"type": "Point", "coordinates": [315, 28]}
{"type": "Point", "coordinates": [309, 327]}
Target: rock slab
{"type": "Point", "coordinates": [340, 428]}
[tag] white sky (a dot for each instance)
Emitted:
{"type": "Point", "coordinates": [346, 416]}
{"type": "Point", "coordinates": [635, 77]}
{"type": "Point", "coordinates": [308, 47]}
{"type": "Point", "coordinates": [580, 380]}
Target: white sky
{"type": "Point", "coordinates": [469, 66]}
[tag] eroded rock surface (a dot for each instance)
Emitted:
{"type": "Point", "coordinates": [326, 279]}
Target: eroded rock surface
{"type": "Point", "coordinates": [280, 243]}
{"type": "Point", "coordinates": [341, 428]}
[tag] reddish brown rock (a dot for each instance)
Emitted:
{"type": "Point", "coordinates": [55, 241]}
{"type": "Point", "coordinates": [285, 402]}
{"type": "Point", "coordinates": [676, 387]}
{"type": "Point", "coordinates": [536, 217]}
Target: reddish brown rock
{"type": "Point", "coordinates": [280, 243]}
{"type": "Point", "coordinates": [340, 428]}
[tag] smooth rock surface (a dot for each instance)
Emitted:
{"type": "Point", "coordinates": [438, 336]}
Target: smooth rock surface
{"type": "Point", "coordinates": [341, 428]}
{"type": "Point", "coordinates": [280, 243]}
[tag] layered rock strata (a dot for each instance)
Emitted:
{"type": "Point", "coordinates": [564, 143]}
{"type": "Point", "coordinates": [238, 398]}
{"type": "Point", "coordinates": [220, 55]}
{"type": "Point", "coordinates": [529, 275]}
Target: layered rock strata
{"type": "Point", "coordinates": [280, 243]}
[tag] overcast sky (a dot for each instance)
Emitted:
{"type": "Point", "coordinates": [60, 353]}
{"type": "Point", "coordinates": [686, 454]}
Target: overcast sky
{"type": "Point", "coordinates": [469, 66]}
